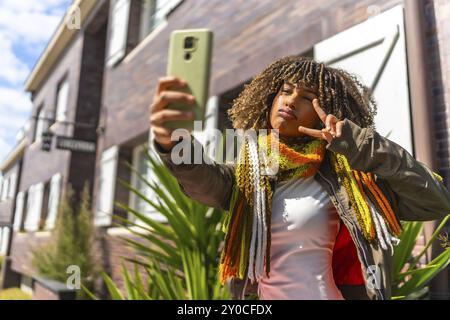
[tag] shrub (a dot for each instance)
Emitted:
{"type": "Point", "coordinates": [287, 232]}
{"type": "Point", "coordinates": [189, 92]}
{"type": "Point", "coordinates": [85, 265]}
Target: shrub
{"type": "Point", "coordinates": [71, 244]}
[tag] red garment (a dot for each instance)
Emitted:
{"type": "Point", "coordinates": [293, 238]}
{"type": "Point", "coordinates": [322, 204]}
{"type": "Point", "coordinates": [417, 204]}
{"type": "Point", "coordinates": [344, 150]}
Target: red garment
{"type": "Point", "coordinates": [346, 265]}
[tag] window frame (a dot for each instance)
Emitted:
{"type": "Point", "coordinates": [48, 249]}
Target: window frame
{"type": "Point", "coordinates": [34, 210]}
{"type": "Point", "coordinates": [138, 152]}
{"type": "Point", "coordinates": [39, 127]}
{"type": "Point", "coordinates": [59, 115]}
{"type": "Point", "coordinates": [103, 218]}
{"type": "Point", "coordinates": [53, 201]}
{"type": "Point", "coordinates": [113, 58]}
{"type": "Point", "coordinates": [150, 22]}
{"type": "Point", "coordinates": [19, 211]}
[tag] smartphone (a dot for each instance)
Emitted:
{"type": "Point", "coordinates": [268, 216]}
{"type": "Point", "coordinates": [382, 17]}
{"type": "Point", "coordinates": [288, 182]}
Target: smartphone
{"type": "Point", "coordinates": [190, 54]}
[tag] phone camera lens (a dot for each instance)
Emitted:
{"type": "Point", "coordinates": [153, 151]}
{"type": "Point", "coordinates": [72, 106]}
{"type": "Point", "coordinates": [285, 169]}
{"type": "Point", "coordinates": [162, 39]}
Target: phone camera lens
{"type": "Point", "coordinates": [189, 42]}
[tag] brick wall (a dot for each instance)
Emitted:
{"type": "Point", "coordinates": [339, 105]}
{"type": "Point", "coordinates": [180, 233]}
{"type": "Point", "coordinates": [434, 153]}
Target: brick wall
{"type": "Point", "coordinates": [82, 64]}
{"type": "Point", "coordinates": [438, 51]}
{"type": "Point", "coordinates": [22, 246]}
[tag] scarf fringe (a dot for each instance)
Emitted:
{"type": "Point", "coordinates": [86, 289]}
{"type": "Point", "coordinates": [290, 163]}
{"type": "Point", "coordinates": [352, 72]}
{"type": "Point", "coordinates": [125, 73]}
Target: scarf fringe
{"type": "Point", "coordinates": [246, 251]}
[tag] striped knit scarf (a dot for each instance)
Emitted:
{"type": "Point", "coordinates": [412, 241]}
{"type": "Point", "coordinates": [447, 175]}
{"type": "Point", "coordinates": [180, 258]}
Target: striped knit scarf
{"type": "Point", "coordinates": [246, 249]}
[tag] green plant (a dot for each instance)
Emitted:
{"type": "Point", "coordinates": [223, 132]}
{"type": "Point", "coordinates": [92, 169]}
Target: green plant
{"type": "Point", "coordinates": [410, 279]}
{"type": "Point", "coordinates": [180, 258]}
{"type": "Point", "coordinates": [14, 294]}
{"type": "Point", "coordinates": [71, 244]}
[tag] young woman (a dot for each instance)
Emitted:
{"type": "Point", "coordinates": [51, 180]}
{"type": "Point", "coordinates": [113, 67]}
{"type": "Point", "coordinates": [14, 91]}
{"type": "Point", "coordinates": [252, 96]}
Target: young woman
{"type": "Point", "coordinates": [325, 225]}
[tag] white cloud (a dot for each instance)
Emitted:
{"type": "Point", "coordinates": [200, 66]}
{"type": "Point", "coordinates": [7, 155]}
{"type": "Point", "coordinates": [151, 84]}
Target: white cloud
{"type": "Point", "coordinates": [15, 107]}
{"type": "Point", "coordinates": [12, 70]}
{"type": "Point", "coordinates": [30, 20]}
{"type": "Point", "coordinates": [30, 5]}
{"type": "Point", "coordinates": [33, 27]}
{"type": "Point", "coordinates": [25, 28]}
{"type": "Point", "coordinates": [4, 147]}
{"type": "Point", "coordinates": [14, 97]}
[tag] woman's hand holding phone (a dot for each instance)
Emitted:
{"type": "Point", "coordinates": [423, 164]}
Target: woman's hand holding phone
{"type": "Point", "coordinates": [159, 113]}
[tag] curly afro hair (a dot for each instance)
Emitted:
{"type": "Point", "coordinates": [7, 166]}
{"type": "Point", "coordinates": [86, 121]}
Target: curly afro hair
{"type": "Point", "coordinates": [340, 93]}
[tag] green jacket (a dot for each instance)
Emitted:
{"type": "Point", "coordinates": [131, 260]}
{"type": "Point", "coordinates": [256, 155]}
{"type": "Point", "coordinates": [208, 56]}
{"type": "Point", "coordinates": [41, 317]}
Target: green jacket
{"type": "Point", "coordinates": [412, 189]}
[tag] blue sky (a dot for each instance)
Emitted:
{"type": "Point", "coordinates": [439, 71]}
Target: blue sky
{"type": "Point", "coordinates": [26, 26]}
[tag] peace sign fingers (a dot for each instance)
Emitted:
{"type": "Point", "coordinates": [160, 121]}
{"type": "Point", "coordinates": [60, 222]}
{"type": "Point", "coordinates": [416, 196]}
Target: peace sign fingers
{"type": "Point", "coordinates": [320, 112]}
{"type": "Point", "coordinates": [333, 126]}
{"type": "Point", "coordinates": [311, 132]}
{"type": "Point", "coordinates": [328, 119]}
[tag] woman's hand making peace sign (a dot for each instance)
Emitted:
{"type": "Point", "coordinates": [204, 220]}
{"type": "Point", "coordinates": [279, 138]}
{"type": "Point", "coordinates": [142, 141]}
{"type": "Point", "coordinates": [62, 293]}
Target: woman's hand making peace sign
{"type": "Point", "coordinates": [333, 126]}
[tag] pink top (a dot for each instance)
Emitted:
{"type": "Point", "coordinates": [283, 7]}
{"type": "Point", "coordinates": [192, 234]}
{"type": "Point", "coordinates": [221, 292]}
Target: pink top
{"type": "Point", "coordinates": [304, 228]}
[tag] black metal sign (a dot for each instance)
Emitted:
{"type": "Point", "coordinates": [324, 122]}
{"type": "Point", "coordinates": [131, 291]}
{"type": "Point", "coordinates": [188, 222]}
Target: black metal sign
{"type": "Point", "coordinates": [68, 143]}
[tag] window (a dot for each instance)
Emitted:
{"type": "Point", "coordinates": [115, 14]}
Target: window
{"type": "Point", "coordinates": [26, 284]}
{"type": "Point", "coordinates": [12, 184]}
{"type": "Point", "coordinates": [153, 12]}
{"type": "Point", "coordinates": [5, 189]}
{"type": "Point", "coordinates": [4, 240]}
{"type": "Point", "coordinates": [207, 137]}
{"type": "Point", "coordinates": [34, 207]}
{"type": "Point", "coordinates": [18, 214]}
{"type": "Point", "coordinates": [62, 100]}
{"type": "Point", "coordinates": [41, 123]}
{"type": "Point", "coordinates": [118, 32]}
{"type": "Point", "coordinates": [53, 201]}
{"type": "Point", "coordinates": [140, 163]}
{"type": "Point", "coordinates": [107, 183]}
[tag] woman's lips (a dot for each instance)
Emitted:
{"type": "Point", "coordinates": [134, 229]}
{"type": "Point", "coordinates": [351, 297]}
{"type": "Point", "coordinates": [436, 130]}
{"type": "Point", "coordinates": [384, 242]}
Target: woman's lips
{"type": "Point", "coordinates": [287, 114]}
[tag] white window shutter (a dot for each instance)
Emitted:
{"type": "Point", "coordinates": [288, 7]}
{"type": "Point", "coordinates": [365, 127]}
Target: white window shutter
{"type": "Point", "coordinates": [4, 241]}
{"type": "Point", "coordinates": [5, 189]}
{"type": "Point", "coordinates": [30, 205]}
{"type": "Point", "coordinates": [206, 136]}
{"type": "Point", "coordinates": [140, 163]}
{"type": "Point", "coordinates": [13, 184]}
{"type": "Point", "coordinates": [62, 101]}
{"type": "Point", "coordinates": [163, 7]}
{"type": "Point", "coordinates": [1, 187]}
{"type": "Point", "coordinates": [34, 207]}
{"type": "Point", "coordinates": [375, 50]}
{"type": "Point", "coordinates": [53, 201]}
{"type": "Point", "coordinates": [107, 184]}
{"type": "Point", "coordinates": [119, 29]}
{"type": "Point", "coordinates": [18, 214]}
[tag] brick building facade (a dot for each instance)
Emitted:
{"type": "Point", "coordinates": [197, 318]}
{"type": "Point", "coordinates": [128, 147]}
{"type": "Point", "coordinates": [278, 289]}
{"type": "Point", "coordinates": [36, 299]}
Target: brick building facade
{"type": "Point", "coordinates": [113, 62]}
